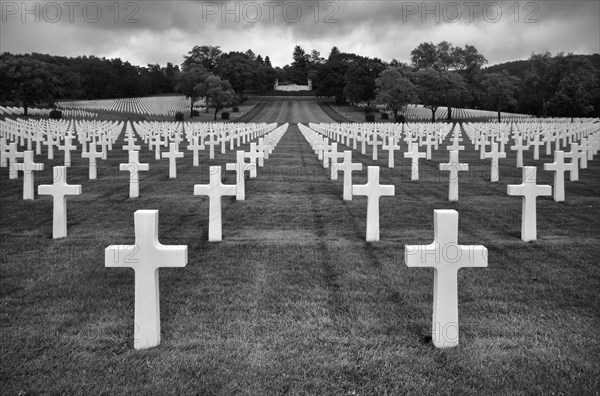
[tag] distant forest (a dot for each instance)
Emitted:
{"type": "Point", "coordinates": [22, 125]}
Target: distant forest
{"type": "Point", "coordinates": [438, 75]}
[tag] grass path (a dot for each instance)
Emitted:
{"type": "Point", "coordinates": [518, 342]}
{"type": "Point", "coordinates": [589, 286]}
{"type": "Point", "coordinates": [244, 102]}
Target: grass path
{"type": "Point", "coordinates": [294, 301]}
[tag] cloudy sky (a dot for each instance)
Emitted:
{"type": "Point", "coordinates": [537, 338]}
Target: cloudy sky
{"type": "Point", "coordinates": [159, 31]}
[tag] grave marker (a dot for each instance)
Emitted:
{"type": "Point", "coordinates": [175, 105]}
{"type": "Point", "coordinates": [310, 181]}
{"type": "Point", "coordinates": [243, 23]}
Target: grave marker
{"type": "Point", "coordinates": [146, 257]}
{"type": "Point", "coordinates": [448, 258]}
{"type": "Point", "coordinates": [414, 155]}
{"type": "Point", "coordinates": [215, 190]}
{"type": "Point", "coordinates": [134, 166]}
{"type": "Point", "coordinates": [92, 154]}
{"type": "Point", "coordinates": [453, 167]}
{"type": "Point", "coordinates": [28, 167]}
{"type": "Point", "coordinates": [530, 191]}
{"type": "Point", "coordinates": [559, 167]}
{"type": "Point", "coordinates": [172, 155]}
{"type": "Point", "coordinates": [348, 167]}
{"type": "Point", "coordinates": [59, 190]}
{"type": "Point", "coordinates": [373, 190]}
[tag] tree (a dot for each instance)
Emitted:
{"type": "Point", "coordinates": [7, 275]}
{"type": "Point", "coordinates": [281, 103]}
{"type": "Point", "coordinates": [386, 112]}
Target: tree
{"type": "Point", "coordinates": [571, 98]}
{"type": "Point", "coordinates": [438, 88]}
{"type": "Point", "coordinates": [334, 53]}
{"type": "Point", "coordinates": [204, 55]}
{"type": "Point", "coordinates": [424, 56]}
{"type": "Point", "coordinates": [360, 79]}
{"type": "Point", "coordinates": [191, 84]}
{"type": "Point", "coordinates": [220, 92]}
{"type": "Point", "coordinates": [444, 57]}
{"type": "Point", "coordinates": [299, 67]}
{"type": "Point", "coordinates": [394, 90]}
{"type": "Point", "coordinates": [28, 80]}
{"type": "Point", "coordinates": [242, 72]}
{"type": "Point", "coordinates": [500, 90]}
{"type": "Point", "coordinates": [331, 79]}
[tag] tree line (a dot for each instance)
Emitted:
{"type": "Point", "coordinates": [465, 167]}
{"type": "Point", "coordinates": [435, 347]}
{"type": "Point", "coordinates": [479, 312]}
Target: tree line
{"type": "Point", "coordinates": [438, 75]}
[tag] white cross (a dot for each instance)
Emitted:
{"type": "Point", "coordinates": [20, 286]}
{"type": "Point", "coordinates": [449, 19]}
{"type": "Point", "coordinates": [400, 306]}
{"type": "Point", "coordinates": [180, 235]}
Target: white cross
{"type": "Point", "coordinates": [59, 190]}
{"type": "Point", "coordinates": [519, 147]}
{"type": "Point", "coordinates": [28, 167]}
{"type": "Point", "coordinates": [548, 138]}
{"type": "Point", "coordinates": [12, 155]}
{"type": "Point", "coordinates": [195, 147]}
{"type": "Point", "coordinates": [146, 257]}
{"type": "Point", "coordinates": [348, 167]}
{"type": "Point", "coordinates": [172, 155]}
{"type": "Point", "coordinates": [530, 191]}
{"type": "Point", "coordinates": [157, 143]}
{"type": "Point", "coordinates": [373, 190]}
{"type": "Point", "coordinates": [211, 143]}
{"type": "Point", "coordinates": [575, 155]}
{"type": "Point", "coordinates": [448, 258]}
{"type": "Point", "coordinates": [253, 154]}
{"type": "Point", "coordinates": [3, 151]}
{"type": "Point", "coordinates": [494, 155]}
{"type": "Point", "coordinates": [453, 167]}
{"type": "Point", "coordinates": [414, 155]}
{"type": "Point", "coordinates": [66, 148]}
{"type": "Point", "coordinates": [131, 146]}
{"type": "Point", "coordinates": [390, 147]}
{"type": "Point", "coordinates": [559, 166]}
{"type": "Point", "coordinates": [429, 141]}
{"type": "Point", "coordinates": [536, 143]}
{"type": "Point", "coordinates": [215, 190]}
{"type": "Point", "coordinates": [223, 138]}
{"type": "Point", "coordinates": [134, 166]}
{"type": "Point", "coordinates": [240, 167]}
{"type": "Point", "coordinates": [50, 143]}
{"type": "Point", "coordinates": [374, 143]}
{"type": "Point", "coordinates": [334, 156]}
{"type": "Point", "coordinates": [325, 153]}
{"type": "Point", "coordinates": [92, 154]}
{"type": "Point", "coordinates": [265, 148]}
{"type": "Point", "coordinates": [455, 146]}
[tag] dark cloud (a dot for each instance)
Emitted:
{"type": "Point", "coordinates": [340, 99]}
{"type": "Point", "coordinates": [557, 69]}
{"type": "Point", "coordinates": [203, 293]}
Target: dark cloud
{"type": "Point", "coordinates": [163, 31]}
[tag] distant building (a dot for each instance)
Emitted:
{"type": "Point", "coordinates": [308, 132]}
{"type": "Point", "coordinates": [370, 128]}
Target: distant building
{"type": "Point", "coordinates": [292, 87]}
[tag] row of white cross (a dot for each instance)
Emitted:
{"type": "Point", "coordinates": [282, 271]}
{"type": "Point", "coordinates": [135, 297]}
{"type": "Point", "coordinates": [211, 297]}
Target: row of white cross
{"type": "Point", "coordinates": [448, 255]}
{"type": "Point", "coordinates": [529, 190]}
{"type": "Point", "coordinates": [147, 255]}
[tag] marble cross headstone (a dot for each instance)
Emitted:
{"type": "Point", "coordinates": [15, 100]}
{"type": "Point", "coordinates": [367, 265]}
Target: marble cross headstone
{"type": "Point", "coordinates": [59, 190]}
{"type": "Point", "coordinates": [530, 191]}
{"type": "Point", "coordinates": [348, 167]}
{"type": "Point", "coordinates": [519, 147]}
{"type": "Point", "coordinates": [172, 155]}
{"type": "Point", "coordinates": [390, 147]}
{"type": "Point", "coordinates": [240, 167]}
{"type": "Point", "coordinates": [373, 190]}
{"type": "Point", "coordinates": [92, 154]}
{"type": "Point", "coordinates": [559, 166]}
{"type": "Point", "coordinates": [453, 167]}
{"type": "Point", "coordinates": [12, 155]}
{"type": "Point", "coordinates": [494, 154]}
{"type": "Point", "coordinates": [28, 167]}
{"type": "Point", "coordinates": [253, 154]}
{"type": "Point", "coordinates": [414, 154]}
{"type": "Point", "coordinates": [194, 146]}
{"type": "Point", "coordinates": [66, 148]}
{"type": "Point", "coordinates": [446, 257]}
{"type": "Point", "coordinates": [334, 155]}
{"type": "Point", "coordinates": [215, 190]}
{"type": "Point", "coordinates": [146, 257]}
{"type": "Point", "coordinates": [134, 166]}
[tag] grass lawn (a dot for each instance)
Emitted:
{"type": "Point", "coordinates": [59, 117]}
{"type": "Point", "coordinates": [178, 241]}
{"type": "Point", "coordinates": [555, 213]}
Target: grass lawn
{"type": "Point", "coordinates": [294, 301]}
